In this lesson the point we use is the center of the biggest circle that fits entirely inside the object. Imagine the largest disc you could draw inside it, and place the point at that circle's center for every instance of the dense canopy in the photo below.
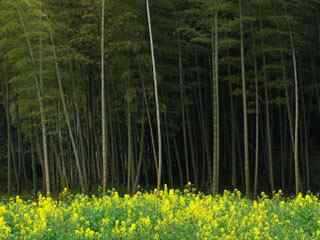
(137, 94)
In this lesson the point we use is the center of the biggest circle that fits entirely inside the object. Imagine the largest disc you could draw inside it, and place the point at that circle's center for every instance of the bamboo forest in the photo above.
(159, 119)
(132, 95)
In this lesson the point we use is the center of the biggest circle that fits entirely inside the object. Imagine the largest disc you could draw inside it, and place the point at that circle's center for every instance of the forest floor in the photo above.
(168, 214)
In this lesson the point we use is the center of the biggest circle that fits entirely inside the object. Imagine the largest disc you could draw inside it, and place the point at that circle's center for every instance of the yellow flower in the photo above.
(105, 221)
(145, 221)
(132, 228)
(18, 200)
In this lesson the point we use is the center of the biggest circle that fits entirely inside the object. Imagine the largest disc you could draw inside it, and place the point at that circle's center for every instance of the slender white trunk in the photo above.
(215, 79)
(244, 98)
(296, 127)
(267, 119)
(216, 56)
(156, 97)
(39, 89)
(67, 115)
(103, 106)
(42, 115)
(256, 80)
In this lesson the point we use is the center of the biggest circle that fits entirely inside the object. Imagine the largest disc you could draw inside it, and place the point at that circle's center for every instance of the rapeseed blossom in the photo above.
(167, 214)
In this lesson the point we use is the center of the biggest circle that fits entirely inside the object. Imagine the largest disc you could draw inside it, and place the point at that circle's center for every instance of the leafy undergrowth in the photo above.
(169, 214)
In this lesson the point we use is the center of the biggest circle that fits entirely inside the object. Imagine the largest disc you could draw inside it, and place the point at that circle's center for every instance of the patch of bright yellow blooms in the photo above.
(168, 214)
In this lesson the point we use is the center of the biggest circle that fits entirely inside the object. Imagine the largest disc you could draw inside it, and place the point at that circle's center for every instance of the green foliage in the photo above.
(183, 37)
(168, 214)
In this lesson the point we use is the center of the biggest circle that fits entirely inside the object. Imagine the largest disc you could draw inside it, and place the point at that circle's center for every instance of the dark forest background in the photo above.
(238, 87)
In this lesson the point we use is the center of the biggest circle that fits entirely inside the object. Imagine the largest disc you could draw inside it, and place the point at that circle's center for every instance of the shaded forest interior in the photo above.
(229, 88)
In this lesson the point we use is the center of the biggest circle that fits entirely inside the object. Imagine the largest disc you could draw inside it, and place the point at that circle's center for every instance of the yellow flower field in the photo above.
(168, 215)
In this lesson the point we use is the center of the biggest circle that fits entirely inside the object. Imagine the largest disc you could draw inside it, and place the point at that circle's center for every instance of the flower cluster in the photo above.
(168, 214)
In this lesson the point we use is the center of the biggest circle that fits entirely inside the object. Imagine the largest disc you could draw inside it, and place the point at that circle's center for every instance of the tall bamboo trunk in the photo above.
(39, 89)
(103, 106)
(183, 112)
(256, 80)
(67, 116)
(192, 150)
(216, 119)
(306, 144)
(150, 127)
(9, 161)
(267, 119)
(204, 135)
(233, 133)
(130, 143)
(245, 111)
(156, 97)
(141, 152)
(296, 127)
(177, 155)
(169, 159)
(43, 119)
(33, 166)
